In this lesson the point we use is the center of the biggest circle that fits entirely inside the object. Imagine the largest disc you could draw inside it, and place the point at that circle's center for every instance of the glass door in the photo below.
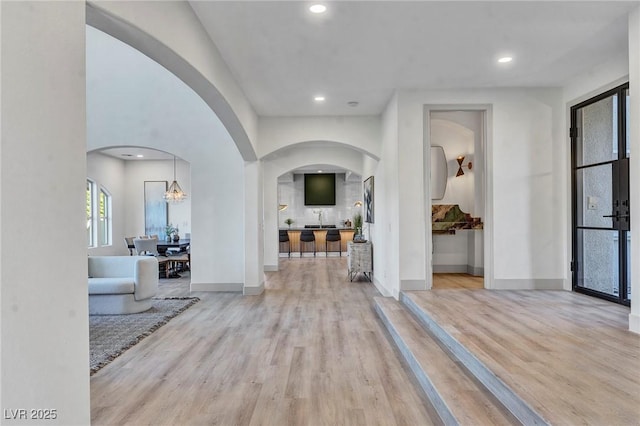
(600, 164)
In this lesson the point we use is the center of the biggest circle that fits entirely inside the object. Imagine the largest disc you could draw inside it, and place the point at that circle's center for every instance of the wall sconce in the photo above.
(469, 165)
(282, 207)
(357, 204)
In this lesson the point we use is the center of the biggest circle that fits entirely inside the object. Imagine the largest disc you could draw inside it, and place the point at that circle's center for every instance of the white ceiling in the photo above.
(131, 153)
(282, 55)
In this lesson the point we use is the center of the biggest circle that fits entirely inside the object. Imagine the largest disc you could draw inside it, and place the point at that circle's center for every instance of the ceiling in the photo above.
(282, 55)
(131, 153)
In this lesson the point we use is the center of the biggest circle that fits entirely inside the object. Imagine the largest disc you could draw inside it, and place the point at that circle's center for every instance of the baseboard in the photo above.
(634, 323)
(408, 285)
(449, 269)
(528, 284)
(253, 291)
(235, 287)
(382, 289)
(477, 271)
(270, 268)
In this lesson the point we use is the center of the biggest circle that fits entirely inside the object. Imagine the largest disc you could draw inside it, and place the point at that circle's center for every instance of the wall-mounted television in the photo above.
(320, 189)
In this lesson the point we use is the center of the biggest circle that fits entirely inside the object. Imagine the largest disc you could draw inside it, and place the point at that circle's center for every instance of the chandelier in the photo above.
(174, 194)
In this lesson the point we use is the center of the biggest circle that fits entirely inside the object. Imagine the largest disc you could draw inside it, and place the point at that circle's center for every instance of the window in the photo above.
(90, 231)
(105, 218)
(99, 213)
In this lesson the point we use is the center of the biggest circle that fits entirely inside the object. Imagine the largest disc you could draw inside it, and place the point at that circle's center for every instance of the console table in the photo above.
(359, 259)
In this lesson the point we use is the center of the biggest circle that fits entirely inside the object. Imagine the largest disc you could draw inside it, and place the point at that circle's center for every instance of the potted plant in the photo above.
(169, 230)
(289, 221)
(357, 224)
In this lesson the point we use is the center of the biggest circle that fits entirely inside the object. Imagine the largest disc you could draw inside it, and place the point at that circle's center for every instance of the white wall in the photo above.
(529, 248)
(44, 359)
(384, 232)
(133, 101)
(456, 140)
(360, 133)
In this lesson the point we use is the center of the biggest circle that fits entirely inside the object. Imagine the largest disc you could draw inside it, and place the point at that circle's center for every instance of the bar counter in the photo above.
(346, 235)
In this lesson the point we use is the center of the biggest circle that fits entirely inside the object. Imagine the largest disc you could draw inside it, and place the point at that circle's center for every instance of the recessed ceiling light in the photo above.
(505, 59)
(318, 98)
(318, 8)
(127, 155)
(319, 171)
(140, 156)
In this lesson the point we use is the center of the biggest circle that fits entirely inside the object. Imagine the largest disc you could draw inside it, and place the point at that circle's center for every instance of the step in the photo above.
(501, 393)
(456, 396)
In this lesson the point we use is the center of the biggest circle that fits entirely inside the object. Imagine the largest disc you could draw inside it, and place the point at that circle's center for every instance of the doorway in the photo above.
(600, 196)
(457, 252)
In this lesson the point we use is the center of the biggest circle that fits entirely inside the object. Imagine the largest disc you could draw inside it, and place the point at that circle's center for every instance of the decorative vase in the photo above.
(358, 237)
(168, 239)
(176, 237)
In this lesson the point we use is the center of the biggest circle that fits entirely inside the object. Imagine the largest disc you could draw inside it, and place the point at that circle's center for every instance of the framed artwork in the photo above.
(368, 200)
(156, 213)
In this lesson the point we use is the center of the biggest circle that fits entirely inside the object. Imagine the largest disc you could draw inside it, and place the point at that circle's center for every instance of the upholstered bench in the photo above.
(121, 284)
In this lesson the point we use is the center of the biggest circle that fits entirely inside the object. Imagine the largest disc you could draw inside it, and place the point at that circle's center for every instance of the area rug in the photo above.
(111, 335)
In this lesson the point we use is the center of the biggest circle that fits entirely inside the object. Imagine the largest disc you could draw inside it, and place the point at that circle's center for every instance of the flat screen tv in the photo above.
(320, 189)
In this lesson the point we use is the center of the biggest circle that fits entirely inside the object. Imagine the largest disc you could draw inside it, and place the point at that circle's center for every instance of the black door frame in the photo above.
(620, 218)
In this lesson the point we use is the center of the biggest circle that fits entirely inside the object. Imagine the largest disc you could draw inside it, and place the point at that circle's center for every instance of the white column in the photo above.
(43, 250)
(271, 218)
(411, 196)
(634, 130)
(253, 229)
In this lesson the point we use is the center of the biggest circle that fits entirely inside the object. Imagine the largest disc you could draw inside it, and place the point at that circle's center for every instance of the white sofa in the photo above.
(121, 284)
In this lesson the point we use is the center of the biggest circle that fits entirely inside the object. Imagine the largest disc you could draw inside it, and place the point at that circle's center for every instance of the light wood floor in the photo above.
(568, 355)
(309, 351)
(451, 281)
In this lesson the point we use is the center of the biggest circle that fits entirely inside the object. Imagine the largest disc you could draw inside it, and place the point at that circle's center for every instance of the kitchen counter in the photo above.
(324, 228)
(346, 235)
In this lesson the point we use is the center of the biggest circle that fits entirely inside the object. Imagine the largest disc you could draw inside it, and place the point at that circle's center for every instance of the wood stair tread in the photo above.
(466, 399)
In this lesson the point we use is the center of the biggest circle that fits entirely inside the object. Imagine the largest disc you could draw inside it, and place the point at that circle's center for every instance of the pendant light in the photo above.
(174, 194)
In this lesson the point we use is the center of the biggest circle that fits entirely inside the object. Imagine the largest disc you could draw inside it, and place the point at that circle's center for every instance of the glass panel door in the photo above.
(600, 162)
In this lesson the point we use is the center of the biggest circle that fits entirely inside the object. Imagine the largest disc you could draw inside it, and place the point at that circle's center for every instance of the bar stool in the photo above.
(284, 238)
(333, 235)
(307, 236)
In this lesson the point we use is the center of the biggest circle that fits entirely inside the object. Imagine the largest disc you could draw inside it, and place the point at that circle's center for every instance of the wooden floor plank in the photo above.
(568, 355)
(309, 351)
(467, 401)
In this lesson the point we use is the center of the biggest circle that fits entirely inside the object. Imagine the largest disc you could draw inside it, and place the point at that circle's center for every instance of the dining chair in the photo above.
(129, 242)
(149, 247)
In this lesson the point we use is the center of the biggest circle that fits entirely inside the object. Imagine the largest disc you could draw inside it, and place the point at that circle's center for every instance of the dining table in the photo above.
(182, 244)
(163, 245)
